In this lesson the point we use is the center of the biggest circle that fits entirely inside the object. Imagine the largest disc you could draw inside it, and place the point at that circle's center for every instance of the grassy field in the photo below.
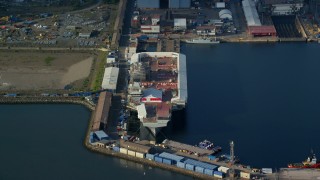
(97, 75)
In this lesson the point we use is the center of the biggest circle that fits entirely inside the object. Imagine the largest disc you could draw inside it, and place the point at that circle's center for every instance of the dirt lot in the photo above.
(35, 70)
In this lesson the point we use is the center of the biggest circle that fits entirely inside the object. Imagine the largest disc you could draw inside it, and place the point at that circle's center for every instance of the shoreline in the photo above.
(48, 100)
(143, 161)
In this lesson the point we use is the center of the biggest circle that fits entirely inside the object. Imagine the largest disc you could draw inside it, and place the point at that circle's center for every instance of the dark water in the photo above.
(265, 97)
(46, 142)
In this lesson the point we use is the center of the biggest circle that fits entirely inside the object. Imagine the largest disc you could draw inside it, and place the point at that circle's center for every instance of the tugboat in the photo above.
(310, 162)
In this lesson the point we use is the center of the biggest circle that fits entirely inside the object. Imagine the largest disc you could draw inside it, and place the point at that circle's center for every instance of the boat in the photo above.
(202, 41)
(311, 162)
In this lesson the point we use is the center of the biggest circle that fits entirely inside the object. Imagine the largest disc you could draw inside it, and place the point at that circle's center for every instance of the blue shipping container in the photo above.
(218, 173)
(211, 157)
(158, 159)
(167, 161)
(116, 149)
(208, 172)
(190, 167)
(150, 156)
(181, 165)
(199, 169)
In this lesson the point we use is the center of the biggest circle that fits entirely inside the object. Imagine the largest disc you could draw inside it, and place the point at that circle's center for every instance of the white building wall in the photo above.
(285, 9)
(131, 153)
(150, 28)
(140, 155)
(123, 150)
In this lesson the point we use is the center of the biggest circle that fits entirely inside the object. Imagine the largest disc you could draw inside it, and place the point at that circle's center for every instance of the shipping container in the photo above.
(245, 175)
(116, 149)
(148, 4)
(181, 165)
(211, 157)
(131, 153)
(123, 150)
(223, 169)
(158, 159)
(190, 167)
(150, 156)
(199, 169)
(140, 155)
(218, 174)
(208, 172)
(167, 161)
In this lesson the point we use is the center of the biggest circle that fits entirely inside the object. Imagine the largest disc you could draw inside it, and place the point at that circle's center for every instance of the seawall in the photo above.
(47, 100)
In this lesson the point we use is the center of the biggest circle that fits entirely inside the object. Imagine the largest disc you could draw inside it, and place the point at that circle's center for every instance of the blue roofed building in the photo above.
(173, 157)
(200, 164)
(100, 135)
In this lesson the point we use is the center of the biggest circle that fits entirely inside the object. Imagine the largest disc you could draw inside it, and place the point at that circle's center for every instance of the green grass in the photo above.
(48, 60)
(101, 61)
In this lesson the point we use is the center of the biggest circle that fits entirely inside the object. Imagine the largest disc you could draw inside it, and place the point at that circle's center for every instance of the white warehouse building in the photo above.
(110, 78)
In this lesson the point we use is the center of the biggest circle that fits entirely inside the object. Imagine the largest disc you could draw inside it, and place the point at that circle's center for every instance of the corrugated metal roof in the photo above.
(110, 78)
(148, 3)
(101, 134)
(262, 29)
(102, 110)
(171, 156)
(251, 13)
(200, 164)
(225, 13)
(182, 81)
(135, 147)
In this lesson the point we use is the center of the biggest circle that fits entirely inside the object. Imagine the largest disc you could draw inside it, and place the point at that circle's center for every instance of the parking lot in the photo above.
(88, 28)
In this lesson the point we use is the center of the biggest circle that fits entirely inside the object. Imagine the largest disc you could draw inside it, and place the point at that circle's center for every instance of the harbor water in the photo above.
(264, 97)
(46, 142)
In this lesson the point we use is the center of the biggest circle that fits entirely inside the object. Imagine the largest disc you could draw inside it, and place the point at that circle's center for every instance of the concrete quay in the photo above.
(47, 100)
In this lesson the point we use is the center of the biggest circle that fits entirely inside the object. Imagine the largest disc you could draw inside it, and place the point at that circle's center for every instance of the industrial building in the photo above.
(158, 84)
(85, 35)
(282, 7)
(102, 110)
(100, 135)
(136, 147)
(150, 28)
(175, 4)
(180, 24)
(110, 78)
(144, 4)
(250, 13)
(225, 14)
(206, 30)
(262, 31)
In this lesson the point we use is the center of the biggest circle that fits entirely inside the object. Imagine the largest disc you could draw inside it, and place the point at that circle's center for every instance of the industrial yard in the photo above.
(92, 27)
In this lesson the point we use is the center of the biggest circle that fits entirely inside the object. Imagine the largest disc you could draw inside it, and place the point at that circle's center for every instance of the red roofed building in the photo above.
(262, 30)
